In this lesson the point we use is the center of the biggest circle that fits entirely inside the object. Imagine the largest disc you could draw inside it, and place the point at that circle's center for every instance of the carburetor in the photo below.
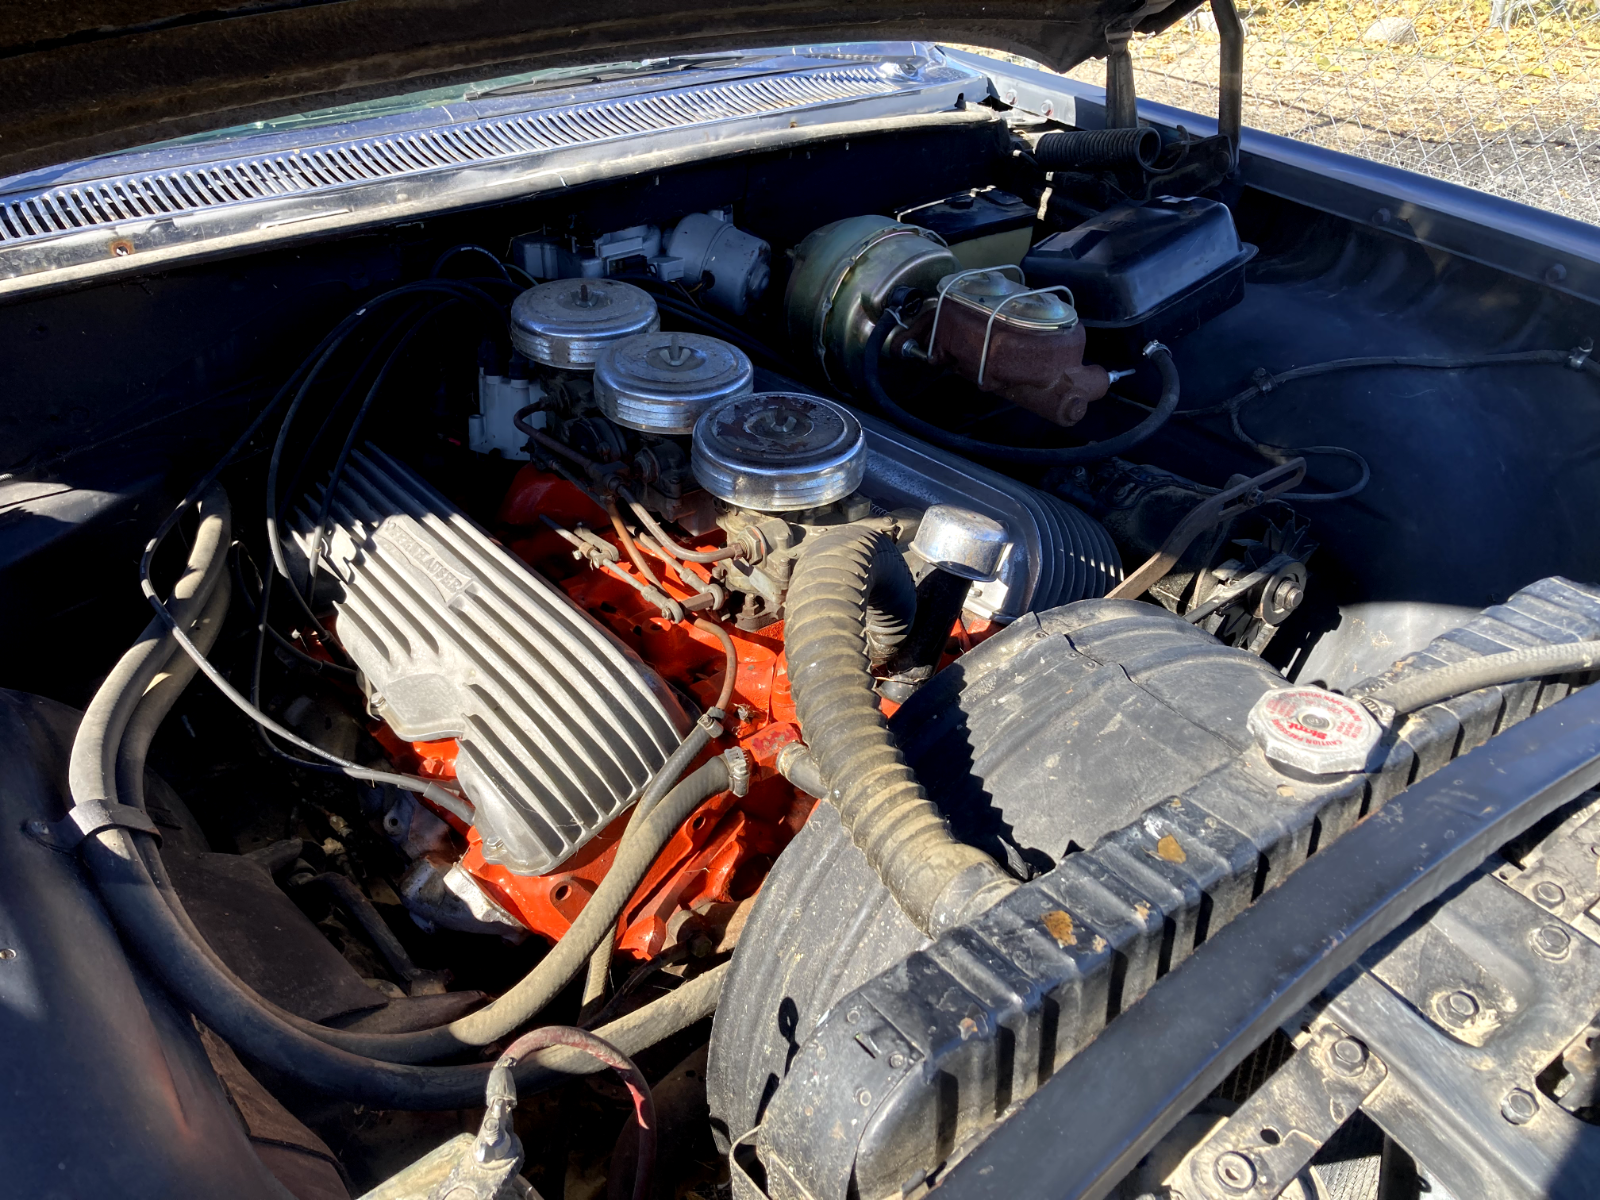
(780, 464)
(558, 330)
(1007, 339)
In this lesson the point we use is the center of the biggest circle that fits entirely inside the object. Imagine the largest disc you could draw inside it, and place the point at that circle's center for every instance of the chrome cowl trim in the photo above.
(131, 212)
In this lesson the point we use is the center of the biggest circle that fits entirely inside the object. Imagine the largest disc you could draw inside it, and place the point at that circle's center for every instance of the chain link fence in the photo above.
(1500, 95)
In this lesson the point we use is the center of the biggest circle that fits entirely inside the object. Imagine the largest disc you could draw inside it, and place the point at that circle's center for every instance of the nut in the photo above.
(1235, 1171)
(1519, 1107)
(1348, 1056)
(1552, 941)
(1549, 893)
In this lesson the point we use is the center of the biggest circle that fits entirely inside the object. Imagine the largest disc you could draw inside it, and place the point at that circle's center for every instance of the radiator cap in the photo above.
(1314, 731)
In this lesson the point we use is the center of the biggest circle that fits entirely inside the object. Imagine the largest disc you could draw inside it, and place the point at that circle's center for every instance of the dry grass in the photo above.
(1515, 112)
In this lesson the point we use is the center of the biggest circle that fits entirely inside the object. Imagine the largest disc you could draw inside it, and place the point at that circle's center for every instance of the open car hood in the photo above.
(86, 77)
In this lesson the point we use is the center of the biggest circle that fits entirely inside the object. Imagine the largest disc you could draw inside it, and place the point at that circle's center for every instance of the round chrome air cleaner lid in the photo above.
(662, 382)
(779, 451)
(565, 323)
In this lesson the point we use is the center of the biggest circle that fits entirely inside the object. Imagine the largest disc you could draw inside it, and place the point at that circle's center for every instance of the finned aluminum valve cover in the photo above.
(559, 725)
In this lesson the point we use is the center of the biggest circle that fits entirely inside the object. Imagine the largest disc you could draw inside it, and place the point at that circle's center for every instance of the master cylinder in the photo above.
(1025, 344)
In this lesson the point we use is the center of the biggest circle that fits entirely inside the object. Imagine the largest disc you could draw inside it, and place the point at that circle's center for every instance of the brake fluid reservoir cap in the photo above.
(779, 452)
(567, 322)
(662, 382)
(1314, 731)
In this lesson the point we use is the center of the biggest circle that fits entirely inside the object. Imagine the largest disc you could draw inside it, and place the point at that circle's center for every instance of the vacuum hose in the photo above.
(108, 755)
(936, 879)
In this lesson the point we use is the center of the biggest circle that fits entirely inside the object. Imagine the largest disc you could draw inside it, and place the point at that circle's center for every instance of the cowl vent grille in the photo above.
(140, 196)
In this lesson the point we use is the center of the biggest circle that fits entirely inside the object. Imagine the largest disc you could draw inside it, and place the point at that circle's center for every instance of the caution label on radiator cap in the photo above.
(1311, 730)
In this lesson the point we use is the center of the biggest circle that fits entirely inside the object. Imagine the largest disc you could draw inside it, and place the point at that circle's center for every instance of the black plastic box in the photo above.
(1141, 271)
(983, 229)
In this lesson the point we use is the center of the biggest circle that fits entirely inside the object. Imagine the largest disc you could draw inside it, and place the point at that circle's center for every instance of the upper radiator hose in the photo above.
(935, 878)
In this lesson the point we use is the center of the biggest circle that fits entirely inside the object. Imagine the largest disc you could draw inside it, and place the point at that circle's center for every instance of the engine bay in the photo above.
(786, 587)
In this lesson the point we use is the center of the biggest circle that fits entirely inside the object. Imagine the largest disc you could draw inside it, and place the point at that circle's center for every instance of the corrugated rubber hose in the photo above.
(1086, 149)
(841, 577)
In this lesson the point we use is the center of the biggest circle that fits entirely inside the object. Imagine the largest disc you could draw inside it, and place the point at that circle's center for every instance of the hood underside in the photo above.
(86, 77)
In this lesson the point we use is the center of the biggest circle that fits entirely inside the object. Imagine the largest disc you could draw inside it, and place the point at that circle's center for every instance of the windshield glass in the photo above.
(520, 84)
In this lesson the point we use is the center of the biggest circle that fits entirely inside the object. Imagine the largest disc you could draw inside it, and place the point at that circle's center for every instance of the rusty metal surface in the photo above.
(1041, 370)
(1562, 874)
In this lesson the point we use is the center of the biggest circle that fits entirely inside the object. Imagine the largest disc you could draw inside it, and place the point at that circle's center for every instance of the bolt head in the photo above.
(1348, 1056)
(1288, 594)
(1552, 941)
(1461, 1005)
(1519, 1107)
(1549, 893)
(1235, 1171)
(897, 1060)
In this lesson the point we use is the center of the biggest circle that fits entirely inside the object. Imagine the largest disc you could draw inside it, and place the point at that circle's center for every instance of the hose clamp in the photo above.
(1152, 347)
(1580, 355)
(87, 818)
(738, 764)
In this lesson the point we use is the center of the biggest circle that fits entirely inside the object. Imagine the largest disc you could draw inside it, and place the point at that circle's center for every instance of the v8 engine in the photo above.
(548, 676)
(836, 670)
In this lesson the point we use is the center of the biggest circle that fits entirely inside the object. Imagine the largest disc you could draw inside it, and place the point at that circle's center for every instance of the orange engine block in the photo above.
(721, 854)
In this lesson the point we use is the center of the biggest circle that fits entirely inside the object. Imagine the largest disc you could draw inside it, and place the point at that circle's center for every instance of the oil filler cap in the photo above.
(1315, 731)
